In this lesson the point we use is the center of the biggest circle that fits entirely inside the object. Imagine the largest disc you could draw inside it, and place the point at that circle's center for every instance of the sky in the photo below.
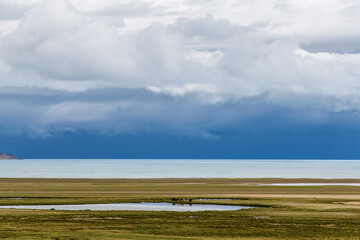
(180, 78)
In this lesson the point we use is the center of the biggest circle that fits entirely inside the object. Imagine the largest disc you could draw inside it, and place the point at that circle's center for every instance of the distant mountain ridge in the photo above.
(3, 156)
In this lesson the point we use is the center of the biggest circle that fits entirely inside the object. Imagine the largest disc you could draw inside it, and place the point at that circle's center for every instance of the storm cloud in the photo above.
(183, 66)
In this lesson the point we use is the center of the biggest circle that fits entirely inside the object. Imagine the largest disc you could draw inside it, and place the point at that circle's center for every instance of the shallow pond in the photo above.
(134, 206)
(13, 198)
(313, 184)
(214, 199)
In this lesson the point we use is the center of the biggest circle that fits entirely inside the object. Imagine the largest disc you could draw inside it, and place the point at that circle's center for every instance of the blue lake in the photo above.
(187, 168)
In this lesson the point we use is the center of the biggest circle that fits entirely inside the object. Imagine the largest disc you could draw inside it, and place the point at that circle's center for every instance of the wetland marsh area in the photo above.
(312, 211)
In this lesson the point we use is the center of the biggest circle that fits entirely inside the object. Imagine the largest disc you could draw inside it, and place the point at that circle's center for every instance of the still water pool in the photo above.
(134, 206)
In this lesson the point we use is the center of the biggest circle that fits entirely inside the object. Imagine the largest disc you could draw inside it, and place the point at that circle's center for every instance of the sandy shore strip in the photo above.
(311, 184)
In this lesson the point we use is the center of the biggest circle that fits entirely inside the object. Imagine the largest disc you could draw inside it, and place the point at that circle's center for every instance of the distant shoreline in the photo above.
(11, 159)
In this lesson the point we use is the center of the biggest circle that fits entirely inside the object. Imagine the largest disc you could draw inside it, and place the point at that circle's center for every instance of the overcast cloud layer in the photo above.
(187, 67)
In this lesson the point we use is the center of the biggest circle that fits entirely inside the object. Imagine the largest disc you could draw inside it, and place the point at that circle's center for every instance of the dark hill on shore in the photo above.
(3, 156)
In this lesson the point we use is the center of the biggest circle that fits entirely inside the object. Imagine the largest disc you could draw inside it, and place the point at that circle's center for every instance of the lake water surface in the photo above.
(186, 168)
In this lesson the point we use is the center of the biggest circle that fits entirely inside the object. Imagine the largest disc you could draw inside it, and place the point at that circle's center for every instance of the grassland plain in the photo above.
(284, 212)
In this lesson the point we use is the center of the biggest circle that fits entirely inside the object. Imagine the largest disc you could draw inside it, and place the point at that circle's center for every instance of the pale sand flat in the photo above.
(280, 195)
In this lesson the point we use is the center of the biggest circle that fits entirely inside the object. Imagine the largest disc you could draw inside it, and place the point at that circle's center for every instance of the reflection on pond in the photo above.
(135, 207)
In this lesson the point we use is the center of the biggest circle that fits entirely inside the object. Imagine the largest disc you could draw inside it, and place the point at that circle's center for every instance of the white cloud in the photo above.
(11, 10)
